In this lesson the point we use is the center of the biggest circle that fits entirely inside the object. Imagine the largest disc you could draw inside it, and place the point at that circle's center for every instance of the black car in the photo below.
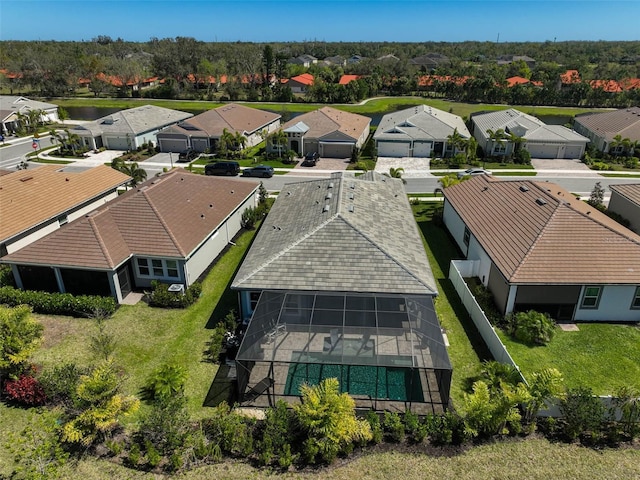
(264, 171)
(310, 159)
(188, 155)
(222, 168)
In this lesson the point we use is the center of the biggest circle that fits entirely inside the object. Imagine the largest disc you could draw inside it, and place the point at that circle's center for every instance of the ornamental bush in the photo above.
(161, 296)
(58, 303)
(531, 327)
(26, 390)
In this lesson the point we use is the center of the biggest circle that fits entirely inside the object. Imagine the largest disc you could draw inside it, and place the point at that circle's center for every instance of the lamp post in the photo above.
(171, 160)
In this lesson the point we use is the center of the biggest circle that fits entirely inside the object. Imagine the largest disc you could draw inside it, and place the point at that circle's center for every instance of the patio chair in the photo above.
(331, 342)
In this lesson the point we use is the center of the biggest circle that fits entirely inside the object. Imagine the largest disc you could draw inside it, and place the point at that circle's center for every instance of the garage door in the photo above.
(422, 149)
(393, 149)
(172, 145)
(118, 143)
(573, 151)
(541, 150)
(335, 150)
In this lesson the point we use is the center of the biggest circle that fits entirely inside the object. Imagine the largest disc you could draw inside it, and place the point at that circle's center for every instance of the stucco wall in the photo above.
(614, 306)
(626, 208)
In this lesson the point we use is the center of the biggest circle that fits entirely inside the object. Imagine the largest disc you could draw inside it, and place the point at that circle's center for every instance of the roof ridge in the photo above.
(163, 223)
(96, 231)
(388, 255)
(282, 251)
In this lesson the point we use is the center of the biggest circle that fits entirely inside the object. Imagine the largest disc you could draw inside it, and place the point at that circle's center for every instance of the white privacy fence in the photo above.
(467, 268)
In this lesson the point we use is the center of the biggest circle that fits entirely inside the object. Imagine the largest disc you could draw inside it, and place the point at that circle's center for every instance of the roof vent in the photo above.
(328, 196)
(541, 201)
(352, 186)
(351, 196)
(523, 188)
(330, 184)
(351, 208)
(326, 208)
(26, 179)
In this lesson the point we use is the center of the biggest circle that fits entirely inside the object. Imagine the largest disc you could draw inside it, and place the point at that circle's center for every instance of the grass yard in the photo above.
(600, 356)
(466, 348)
(531, 459)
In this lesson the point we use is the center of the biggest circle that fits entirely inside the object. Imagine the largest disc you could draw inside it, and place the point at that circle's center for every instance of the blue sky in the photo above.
(359, 20)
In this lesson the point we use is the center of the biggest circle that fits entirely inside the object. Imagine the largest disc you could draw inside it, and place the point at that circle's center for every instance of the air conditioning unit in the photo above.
(176, 288)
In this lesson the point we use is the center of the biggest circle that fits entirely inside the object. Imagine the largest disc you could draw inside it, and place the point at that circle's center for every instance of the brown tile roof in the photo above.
(233, 117)
(30, 197)
(166, 216)
(538, 233)
(327, 120)
(624, 122)
(630, 191)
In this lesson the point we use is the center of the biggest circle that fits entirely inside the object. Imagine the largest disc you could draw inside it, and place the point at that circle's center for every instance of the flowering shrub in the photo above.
(26, 390)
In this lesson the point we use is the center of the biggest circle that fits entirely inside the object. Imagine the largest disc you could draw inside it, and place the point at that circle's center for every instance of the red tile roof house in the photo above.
(300, 83)
(535, 246)
(38, 201)
(203, 131)
(328, 131)
(625, 201)
(170, 229)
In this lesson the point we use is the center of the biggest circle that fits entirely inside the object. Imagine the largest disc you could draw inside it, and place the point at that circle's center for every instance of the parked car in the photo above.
(264, 171)
(473, 172)
(310, 159)
(222, 168)
(188, 155)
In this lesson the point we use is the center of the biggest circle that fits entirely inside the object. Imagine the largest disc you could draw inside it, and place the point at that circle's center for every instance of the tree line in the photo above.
(251, 71)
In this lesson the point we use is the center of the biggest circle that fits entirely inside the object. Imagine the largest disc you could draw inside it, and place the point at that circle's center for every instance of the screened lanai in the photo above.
(386, 350)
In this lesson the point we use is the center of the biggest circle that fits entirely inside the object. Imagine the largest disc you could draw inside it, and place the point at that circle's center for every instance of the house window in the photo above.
(172, 268)
(467, 236)
(635, 304)
(499, 148)
(143, 267)
(591, 297)
(156, 267)
(158, 271)
(253, 299)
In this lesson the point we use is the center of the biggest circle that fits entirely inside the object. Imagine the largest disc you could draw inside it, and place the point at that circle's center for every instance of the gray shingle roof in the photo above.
(624, 122)
(134, 121)
(420, 123)
(339, 234)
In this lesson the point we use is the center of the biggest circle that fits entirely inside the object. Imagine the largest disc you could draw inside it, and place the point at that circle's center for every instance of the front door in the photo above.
(125, 280)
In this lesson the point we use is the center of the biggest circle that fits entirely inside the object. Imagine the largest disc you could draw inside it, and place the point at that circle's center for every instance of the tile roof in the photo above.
(538, 233)
(526, 126)
(421, 122)
(609, 86)
(624, 122)
(339, 234)
(167, 216)
(345, 79)
(134, 121)
(304, 79)
(570, 76)
(631, 191)
(31, 197)
(233, 117)
(328, 120)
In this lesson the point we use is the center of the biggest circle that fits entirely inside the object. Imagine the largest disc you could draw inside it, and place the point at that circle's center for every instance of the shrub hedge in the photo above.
(162, 297)
(59, 303)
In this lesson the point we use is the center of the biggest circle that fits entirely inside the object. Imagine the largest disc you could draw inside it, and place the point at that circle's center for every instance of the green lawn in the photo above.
(600, 356)
(466, 347)
(374, 106)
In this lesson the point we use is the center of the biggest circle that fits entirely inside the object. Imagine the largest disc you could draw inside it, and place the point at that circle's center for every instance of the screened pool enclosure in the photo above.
(386, 350)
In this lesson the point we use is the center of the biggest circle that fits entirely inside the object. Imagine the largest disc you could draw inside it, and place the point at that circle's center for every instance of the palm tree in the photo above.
(225, 143)
(497, 138)
(137, 174)
(34, 118)
(239, 141)
(457, 141)
(471, 149)
(619, 145)
(278, 139)
(397, 173)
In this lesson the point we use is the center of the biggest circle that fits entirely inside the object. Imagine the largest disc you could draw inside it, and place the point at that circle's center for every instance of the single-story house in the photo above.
(13, 107)
(419, 131)
(300, 83)
(337, 283)
(128, 129)
(602, 128)
(203, 131)
(38, 201)
(170, 229)
(625, 201)
(328, 131)
(508, 59)
(305, 60)
(536, 246)
(336, 60)
(346, 79)
(430, 61)
(540, 139)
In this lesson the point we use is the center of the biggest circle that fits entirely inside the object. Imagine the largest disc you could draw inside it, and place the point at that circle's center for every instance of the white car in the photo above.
(473, 172)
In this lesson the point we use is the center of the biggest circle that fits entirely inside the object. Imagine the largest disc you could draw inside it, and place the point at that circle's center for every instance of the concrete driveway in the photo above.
(562, 167)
